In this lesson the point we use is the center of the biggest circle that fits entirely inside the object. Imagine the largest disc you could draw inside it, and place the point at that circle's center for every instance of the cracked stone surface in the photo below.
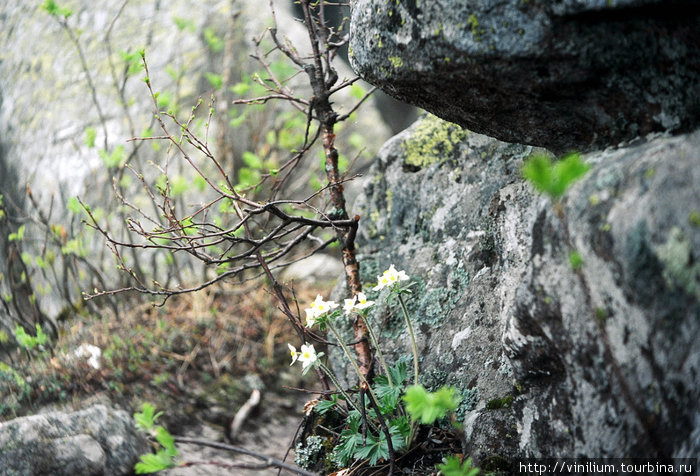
(597, 361)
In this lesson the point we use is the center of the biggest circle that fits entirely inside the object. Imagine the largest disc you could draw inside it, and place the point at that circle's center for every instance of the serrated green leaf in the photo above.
(152, 463)
(427, 407)
(166, 440)
(453, 467)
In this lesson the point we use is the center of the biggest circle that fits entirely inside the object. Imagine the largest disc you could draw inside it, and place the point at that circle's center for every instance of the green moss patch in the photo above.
(433, 140)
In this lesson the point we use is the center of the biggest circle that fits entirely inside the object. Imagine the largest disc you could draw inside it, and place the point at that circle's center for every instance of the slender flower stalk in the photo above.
(352, 360)
(375, 343)
(331, 375)
(413, 339)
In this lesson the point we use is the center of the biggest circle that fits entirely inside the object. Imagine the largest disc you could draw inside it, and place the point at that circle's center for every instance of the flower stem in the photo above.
(413, 340)
(352, 360)
(331, 375)
(375, 343)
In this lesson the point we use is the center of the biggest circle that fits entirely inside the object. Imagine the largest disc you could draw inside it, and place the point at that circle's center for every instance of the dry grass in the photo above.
(203, 342)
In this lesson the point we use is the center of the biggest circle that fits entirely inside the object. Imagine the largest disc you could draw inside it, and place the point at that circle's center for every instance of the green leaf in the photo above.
(147, 417)
(184, 24)
(357, 91)
(132, 61)
(166, 440)
(554, 178)
(53, 9)
(115, 159)
(427, 407)
(179, 185)
(453, 467)
(164, 99)
(152, 463)
(215, 42)
(252, 160)
(90, 135)
(40, 336)
(575, 260)
(240, 88)
(74, 205)
(200, 183)
(248, 177)
(323, 406)
(216, 80)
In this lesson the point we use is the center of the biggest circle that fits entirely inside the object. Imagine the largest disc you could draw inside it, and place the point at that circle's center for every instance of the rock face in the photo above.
(563, 75)
(551, 359)
(95, 441)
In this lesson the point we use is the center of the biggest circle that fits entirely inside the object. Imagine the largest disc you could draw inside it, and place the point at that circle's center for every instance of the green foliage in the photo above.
(575, 260)
(453, 467)
(240, 88)
(54, 9)
(184, 24)
(216, 80)
(115, 159)
(374, 448)
(18, 235)
(427, 407)
(132, 61)
(147, 417)
(215, 43)
(74, 205)
(90, 135)
(553, 178)
(357, 91)
(389, 393)
(165, 457)
(252, 160)
(27, 341)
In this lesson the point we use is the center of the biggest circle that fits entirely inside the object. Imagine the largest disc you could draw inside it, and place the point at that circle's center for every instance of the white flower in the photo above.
(318, 308)
(356, 303)
(91, 352)
(390, 277)
(293, 351)
(307, 356)
(362, 302)
(349, 305)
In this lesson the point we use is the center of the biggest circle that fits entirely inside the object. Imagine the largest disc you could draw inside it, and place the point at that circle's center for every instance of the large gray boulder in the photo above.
(96, 441)
(550, 359)
(578, 74)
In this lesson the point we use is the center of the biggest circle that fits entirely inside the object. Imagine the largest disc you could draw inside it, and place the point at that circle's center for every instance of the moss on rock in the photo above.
(433, 140)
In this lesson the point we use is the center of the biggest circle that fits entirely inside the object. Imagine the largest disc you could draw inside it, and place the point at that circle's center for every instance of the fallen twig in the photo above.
(268, 460)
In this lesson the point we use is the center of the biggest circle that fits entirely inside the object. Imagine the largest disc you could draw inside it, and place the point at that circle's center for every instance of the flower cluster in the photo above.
(390, 277)
(321, 313)
(318, 309)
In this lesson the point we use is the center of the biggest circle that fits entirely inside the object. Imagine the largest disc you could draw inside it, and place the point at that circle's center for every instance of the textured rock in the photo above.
(562, 75)
(550, 361)
(96, 441)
